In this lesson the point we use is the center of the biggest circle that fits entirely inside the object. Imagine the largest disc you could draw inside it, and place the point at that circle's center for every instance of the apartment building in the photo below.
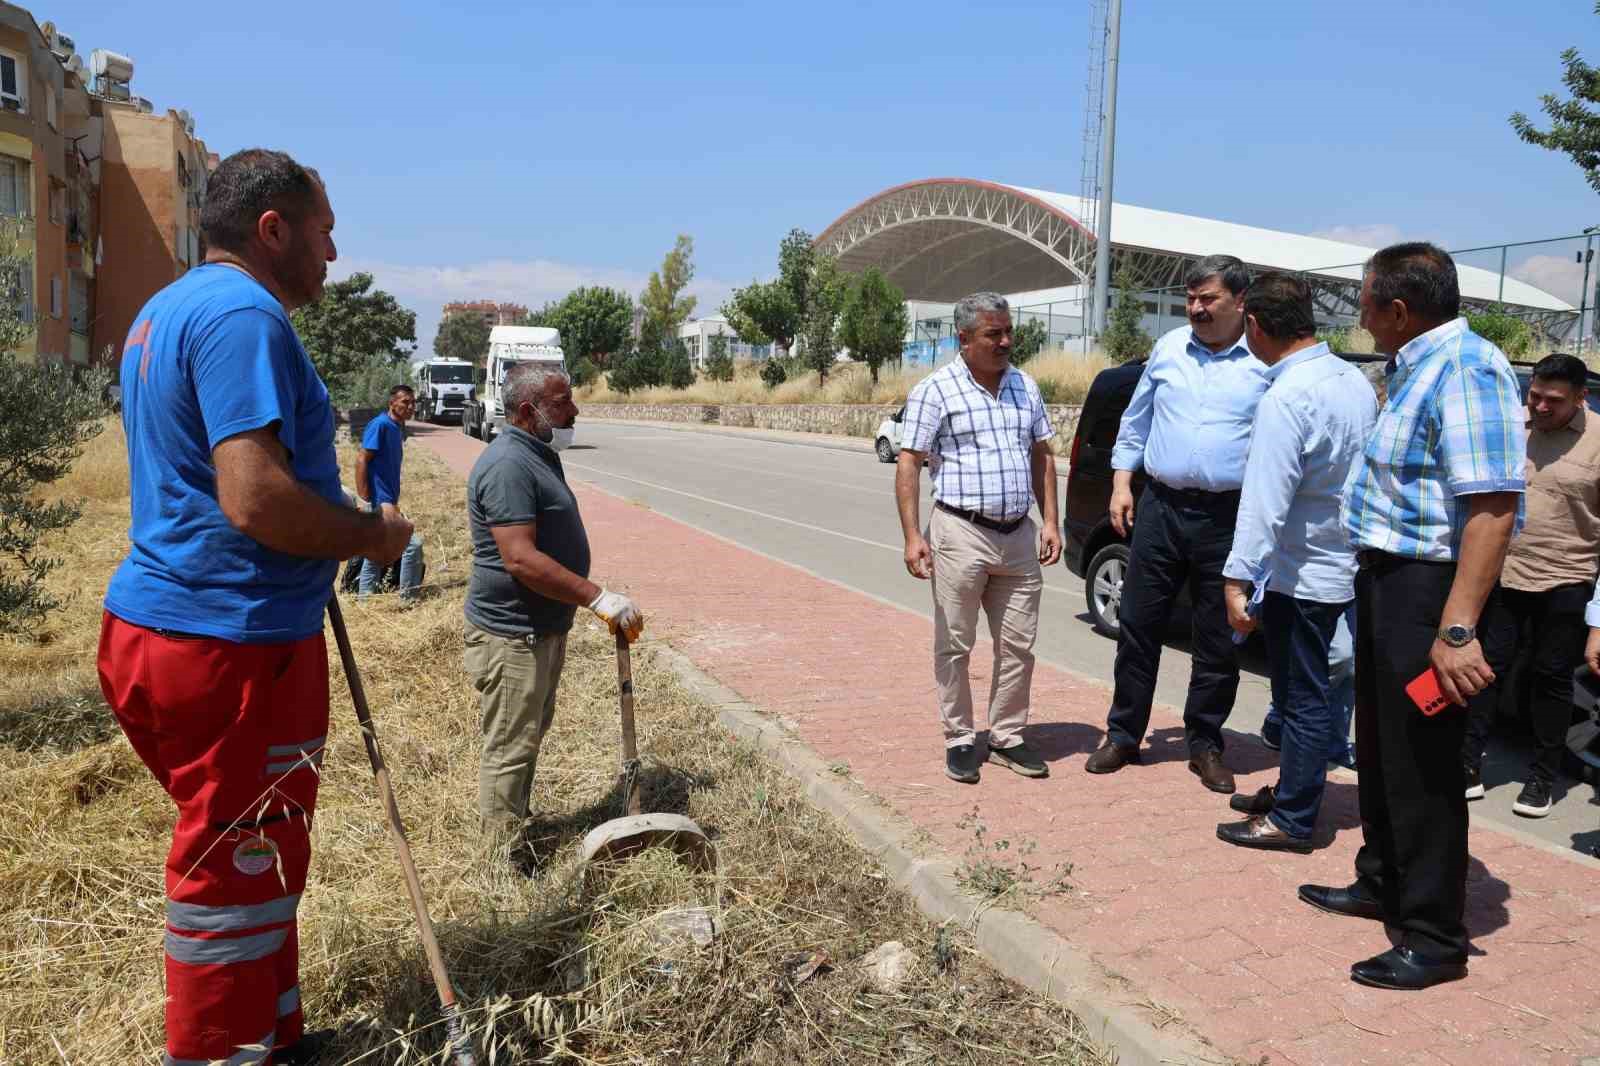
(152, 185)
(101, 195)
(47, 187)
(495, 314)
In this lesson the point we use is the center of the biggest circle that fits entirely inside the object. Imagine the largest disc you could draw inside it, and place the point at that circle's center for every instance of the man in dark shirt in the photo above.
(530, 574)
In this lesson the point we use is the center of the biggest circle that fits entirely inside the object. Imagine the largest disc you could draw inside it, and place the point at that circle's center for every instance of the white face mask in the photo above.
(560, 439)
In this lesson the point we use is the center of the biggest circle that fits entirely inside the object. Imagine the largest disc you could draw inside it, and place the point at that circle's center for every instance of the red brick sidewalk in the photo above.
(1211, 932)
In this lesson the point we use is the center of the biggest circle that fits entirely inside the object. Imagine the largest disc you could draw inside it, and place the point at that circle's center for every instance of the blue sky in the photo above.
(516, 151)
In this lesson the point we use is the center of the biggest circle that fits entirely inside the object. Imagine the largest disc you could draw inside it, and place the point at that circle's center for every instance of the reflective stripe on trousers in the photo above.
(233, 732)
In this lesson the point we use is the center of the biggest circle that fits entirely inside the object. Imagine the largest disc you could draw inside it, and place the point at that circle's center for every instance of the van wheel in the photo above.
(1102, 587)
(885, 450)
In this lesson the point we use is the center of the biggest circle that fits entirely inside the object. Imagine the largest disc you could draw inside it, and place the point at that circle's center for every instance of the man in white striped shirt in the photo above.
(980, 424)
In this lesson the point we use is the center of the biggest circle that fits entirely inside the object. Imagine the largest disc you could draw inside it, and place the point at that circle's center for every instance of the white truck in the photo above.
(483, 416)
(444, 387)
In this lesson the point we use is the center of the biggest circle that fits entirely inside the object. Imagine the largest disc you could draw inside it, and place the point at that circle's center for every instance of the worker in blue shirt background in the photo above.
(378, 483)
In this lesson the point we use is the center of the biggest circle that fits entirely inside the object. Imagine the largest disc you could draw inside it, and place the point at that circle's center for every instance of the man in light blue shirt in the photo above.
(1188, 426)
(1291, 562)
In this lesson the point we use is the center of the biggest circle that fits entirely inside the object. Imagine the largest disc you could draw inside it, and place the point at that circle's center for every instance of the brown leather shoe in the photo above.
(1259, 832)
(1215, 776)
(1110, 758)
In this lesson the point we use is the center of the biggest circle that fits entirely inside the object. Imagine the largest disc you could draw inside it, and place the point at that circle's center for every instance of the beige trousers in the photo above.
(975, 567)
(516, 681)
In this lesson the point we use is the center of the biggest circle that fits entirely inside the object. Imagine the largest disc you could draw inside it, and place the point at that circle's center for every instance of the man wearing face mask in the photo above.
(530, 574)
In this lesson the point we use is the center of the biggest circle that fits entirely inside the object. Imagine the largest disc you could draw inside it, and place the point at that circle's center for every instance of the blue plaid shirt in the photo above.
(1453, 426)
(979, 446)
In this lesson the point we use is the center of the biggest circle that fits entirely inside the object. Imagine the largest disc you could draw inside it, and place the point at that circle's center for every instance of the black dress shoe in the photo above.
(1347, 901)
(961, 764)
(1404, 970)
(1258, 831)
(1213, 775)
(1260, 803)
(1021, 758)
(1110, 757)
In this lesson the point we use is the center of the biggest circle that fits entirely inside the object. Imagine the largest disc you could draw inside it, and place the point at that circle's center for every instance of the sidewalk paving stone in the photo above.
(1211, 933)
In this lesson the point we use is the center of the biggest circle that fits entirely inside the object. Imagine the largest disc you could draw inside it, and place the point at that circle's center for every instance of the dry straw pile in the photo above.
(553, 968)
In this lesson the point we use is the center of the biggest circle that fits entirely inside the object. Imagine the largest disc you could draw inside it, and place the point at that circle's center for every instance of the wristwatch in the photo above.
(1458, 636)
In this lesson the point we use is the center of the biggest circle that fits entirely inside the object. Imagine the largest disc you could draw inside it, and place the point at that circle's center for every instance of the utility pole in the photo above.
(1583, 298)
(1102, 250)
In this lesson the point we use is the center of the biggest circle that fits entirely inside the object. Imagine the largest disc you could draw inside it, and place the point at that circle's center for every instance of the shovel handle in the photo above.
(455, 1023)
(630, 742)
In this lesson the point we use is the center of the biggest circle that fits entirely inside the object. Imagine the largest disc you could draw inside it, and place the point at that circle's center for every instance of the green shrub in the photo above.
(368, 381)
(1123, 341)
(1029, 341)
(772, 373)
(582, 371)
(719, 364)
(46, 417)
(1507, 332)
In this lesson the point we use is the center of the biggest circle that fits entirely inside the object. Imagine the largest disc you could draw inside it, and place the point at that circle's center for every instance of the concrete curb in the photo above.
(1018, 946)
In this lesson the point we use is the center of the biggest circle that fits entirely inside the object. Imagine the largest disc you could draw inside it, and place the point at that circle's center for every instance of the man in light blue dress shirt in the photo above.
(1291, 563)
(1188, 425)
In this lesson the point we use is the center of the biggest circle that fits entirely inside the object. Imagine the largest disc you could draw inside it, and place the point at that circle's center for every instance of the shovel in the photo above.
(621, 837)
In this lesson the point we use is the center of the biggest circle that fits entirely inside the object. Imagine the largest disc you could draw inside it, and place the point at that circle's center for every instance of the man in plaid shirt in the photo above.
(980, 424)
(1430, 509)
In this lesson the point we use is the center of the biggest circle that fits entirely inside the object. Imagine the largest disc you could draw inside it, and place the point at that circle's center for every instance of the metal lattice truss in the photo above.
(940, 240)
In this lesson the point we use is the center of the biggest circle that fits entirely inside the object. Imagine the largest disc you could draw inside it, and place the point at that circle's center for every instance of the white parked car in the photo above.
(888, 442)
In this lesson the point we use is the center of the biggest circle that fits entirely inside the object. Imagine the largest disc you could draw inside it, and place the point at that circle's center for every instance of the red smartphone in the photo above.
(1425, 693)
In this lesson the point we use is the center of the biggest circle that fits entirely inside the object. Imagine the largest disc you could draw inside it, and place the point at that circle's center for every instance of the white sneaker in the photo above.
(1534, 800)
(1474, 777)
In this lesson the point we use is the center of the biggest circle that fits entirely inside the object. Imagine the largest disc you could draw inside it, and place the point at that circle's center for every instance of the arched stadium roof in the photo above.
(942, 238)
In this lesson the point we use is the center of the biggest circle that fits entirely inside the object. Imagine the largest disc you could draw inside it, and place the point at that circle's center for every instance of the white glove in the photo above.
(618, 612)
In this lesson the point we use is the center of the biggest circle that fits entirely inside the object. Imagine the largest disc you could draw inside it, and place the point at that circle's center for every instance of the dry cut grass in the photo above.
(554, 967)
(1065, 376)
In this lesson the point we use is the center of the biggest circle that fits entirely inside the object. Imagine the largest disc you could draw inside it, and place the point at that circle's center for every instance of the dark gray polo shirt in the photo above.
(517, 480)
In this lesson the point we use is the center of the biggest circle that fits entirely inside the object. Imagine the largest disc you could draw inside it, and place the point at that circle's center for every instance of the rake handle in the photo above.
(630, 741)
(454, 1022)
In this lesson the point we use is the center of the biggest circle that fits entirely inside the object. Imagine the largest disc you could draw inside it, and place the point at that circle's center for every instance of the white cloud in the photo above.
(425, 288)
(1371, 235)
(1559, 275)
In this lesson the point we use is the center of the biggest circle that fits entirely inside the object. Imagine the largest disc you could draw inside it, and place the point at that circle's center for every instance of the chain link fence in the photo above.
(1551, 286)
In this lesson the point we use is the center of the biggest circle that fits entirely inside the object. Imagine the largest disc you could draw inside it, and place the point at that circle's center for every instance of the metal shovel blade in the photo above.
(621, 837)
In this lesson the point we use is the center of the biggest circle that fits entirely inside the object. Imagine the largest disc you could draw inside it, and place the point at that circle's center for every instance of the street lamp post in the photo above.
(1102, 250)
(1583, 297)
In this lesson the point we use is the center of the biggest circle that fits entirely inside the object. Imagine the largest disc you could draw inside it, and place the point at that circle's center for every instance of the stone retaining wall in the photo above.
(838, 419)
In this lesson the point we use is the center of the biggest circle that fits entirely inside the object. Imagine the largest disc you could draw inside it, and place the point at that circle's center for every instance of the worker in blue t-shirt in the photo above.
(378, 482)
(211, 649)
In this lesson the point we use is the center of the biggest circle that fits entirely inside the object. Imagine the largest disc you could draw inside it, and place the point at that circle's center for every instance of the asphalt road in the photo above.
(830, 510)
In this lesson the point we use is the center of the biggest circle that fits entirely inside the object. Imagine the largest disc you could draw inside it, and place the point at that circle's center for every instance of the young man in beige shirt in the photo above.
(1548, 577)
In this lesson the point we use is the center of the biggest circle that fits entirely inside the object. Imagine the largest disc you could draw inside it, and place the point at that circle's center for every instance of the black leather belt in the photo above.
(1196, 497)
(981, 520)
(1373, 559)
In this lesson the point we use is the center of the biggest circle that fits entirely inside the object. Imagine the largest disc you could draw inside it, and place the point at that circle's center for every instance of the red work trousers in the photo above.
(234, 733)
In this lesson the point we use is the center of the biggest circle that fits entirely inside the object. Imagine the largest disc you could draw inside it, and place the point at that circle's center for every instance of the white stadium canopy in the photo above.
(942, 238)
